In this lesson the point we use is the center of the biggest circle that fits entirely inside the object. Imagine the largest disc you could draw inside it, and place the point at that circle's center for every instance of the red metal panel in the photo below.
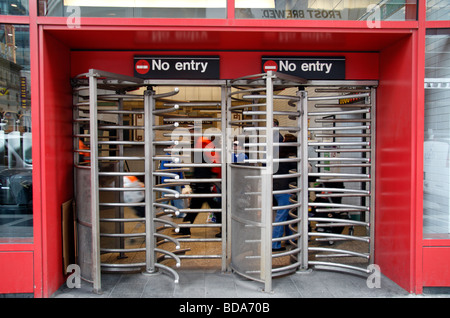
(237, 39)
(16, 272)
(395, 170)
(436, 271)
(359, 66)
(56, 154)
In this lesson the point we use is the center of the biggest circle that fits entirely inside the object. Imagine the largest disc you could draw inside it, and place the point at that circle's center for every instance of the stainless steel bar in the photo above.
(224, 181)
(363, 127)
(121, 127)
(339, 159)
(122, 250)
(344, 150)
(337, 97)
(190, 119)
(334, 236)
(117, 158)
(239, 107)
(166, 127)
(170, 270)
(343, 120)
(303, 222)
(356, 105)
(196, 104)
(342, 190)
(120, 204)
(150, 240)
(166, 110)
(122, 220)
(126, 235)
(95, 210)
(121, 266)
(338, 205)
(342, 112)
(198, 180)
(340, 266)
(322, 144)
(342, 135)
(344, 180)
(200, 256)
(353, 222)
(333, 174)
(342, 195)
(342, 165)
(120, 174)
(266, 204)
(336, 250)
(119, 189)
(329, 210)
(123, 79)
(172, 255)
(342, 90)
(372, 172)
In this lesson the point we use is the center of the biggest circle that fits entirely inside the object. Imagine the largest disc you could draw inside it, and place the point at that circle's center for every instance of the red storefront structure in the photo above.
(393, 54)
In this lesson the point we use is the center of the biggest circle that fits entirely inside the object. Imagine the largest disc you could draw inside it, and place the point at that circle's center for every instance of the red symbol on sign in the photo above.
(142, 66)
(270, 66)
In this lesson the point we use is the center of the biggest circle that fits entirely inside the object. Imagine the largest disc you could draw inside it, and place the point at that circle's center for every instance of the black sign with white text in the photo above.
(177, 67)
(310, 68)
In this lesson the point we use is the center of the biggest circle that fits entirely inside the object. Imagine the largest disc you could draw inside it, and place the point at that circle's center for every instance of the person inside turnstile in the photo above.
(178, 203)
(282, 199)
(204, 187)
(238, 155)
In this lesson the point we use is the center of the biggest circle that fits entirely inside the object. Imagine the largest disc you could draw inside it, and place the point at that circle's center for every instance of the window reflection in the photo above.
(14, 7)
(396, 10)
(436, 201)
(438, 10)
(16, 218)
(212, 9)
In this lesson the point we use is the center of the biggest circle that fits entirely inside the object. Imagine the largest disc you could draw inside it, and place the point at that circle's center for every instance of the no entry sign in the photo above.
(322, 67)
(177, 67)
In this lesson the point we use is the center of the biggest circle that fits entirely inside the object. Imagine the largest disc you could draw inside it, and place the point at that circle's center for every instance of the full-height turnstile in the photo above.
(342, 178)
(331, 143)
(251, 198)
(110, 239)
(331, 187)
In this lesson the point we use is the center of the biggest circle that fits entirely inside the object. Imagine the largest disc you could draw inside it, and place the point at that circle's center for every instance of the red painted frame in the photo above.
(412, 263)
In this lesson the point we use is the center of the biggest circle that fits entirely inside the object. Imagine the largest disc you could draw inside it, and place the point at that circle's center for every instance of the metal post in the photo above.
(149, 104)
(119, 133)
(266, 191)
(304, 181)
(95, 210)
(224, 158)
(372, 173)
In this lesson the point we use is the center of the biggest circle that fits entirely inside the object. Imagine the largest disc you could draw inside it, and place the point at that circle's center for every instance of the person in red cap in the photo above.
(204, 187)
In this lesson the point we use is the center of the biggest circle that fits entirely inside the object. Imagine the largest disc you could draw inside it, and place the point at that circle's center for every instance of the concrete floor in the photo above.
(211, 283)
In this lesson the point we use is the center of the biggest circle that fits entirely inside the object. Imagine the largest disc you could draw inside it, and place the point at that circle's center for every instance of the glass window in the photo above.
(326, 9)
(14, 7)
(436, 187)
(438, 10)
(212, 9)
(16, 210)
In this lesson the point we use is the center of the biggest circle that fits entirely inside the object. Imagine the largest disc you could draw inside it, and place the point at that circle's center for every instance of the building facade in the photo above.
(401, 44)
